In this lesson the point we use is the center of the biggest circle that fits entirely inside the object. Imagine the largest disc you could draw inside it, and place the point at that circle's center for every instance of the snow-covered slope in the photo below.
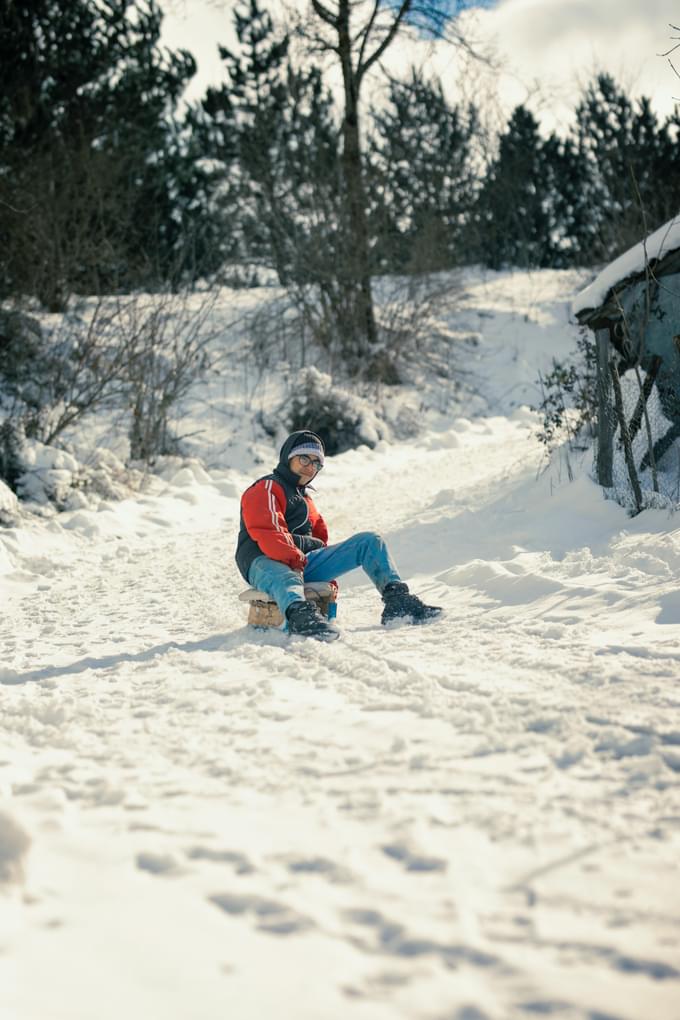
(472, 820)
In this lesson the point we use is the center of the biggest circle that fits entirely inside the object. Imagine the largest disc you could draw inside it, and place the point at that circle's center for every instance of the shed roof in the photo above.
(655, 248)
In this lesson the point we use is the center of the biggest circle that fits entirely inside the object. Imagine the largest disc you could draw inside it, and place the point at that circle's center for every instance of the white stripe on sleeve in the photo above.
(275, 518)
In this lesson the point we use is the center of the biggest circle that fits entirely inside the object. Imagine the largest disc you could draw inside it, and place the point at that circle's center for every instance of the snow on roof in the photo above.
(633, 261)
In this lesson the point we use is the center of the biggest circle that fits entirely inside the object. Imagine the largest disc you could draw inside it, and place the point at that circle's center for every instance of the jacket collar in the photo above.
(288, 476)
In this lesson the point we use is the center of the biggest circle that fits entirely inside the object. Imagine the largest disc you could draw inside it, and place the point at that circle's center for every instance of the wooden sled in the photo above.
(263, 612)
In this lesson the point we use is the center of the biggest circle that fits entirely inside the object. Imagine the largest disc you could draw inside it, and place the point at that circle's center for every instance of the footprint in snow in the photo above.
(321, 866)
(157, 864)
(413, 861)
(270, 917)
(239, 861)
(391, 937)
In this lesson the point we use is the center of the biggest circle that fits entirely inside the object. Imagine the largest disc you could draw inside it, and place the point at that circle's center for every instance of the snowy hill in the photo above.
(472, 820)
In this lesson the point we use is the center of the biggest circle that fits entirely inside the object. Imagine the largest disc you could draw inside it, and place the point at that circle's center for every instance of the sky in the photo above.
(546, 50)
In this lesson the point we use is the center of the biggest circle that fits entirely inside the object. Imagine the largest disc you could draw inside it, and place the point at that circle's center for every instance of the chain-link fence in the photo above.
(638, 365)
(638, 450)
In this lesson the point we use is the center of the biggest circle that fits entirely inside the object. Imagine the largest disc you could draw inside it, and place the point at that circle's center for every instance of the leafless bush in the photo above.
(299, 327)
(275, 331)
(87, 359)
(411, 326)
(170, 353)
(136, 354)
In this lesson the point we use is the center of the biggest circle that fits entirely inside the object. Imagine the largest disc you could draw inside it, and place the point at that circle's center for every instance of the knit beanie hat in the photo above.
(308, 446)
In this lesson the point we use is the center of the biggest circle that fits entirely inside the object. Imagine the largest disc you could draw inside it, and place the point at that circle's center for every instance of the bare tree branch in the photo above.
(672, 50)
(366, 33)
(368, 62)
(667, 53)
(325, 14)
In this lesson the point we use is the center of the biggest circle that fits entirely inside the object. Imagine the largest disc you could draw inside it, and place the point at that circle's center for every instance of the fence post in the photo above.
(605, 424)
(625, 437)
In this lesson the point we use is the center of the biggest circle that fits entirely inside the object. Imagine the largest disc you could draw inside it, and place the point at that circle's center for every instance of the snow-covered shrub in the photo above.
(405, 422)
(48, 476)
(343, 420)
(11, 441)
(106, 477)
(52, 478)
(569, 404)
(9, 506)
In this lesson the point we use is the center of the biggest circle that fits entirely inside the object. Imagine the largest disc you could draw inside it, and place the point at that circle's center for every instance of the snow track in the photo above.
(471, 820)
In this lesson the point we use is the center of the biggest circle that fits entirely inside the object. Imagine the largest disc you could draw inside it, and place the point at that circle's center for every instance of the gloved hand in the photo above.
(314, 543)
(306, 543)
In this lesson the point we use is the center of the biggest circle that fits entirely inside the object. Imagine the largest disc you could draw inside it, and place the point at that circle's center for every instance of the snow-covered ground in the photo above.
(472, 820)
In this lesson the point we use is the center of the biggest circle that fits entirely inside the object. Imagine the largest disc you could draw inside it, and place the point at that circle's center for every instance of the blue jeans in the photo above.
(285, 586)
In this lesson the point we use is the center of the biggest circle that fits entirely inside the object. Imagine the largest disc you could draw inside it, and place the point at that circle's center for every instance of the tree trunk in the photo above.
(361, 330)
(625, 437)
(605, 427)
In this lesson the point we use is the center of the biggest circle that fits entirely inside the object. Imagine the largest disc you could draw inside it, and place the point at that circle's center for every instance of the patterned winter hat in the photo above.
(308, 446)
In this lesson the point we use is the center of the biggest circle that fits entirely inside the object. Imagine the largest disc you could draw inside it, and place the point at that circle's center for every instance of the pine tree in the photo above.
(242, 126)
(423, 177)
(512, 215)
(270, 130)
(632, 163)
(567, 178)
(88, 161)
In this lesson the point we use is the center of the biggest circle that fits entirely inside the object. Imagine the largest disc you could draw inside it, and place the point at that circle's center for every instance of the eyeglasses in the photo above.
(306, 461)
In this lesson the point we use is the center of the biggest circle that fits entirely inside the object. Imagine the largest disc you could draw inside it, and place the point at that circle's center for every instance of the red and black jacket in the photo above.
(278, 518)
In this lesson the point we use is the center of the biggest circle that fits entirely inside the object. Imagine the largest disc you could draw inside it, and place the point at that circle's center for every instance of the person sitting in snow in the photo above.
(283, 542)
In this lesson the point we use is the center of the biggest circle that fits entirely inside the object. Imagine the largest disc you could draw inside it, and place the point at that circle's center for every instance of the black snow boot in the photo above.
(399, 603)
(305, 619)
